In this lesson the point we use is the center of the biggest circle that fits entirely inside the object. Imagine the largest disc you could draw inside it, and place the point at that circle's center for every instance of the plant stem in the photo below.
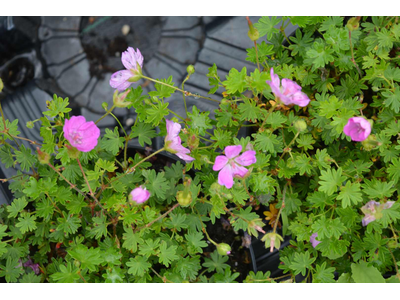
(126, 138)
(160, 217)
(28, 140)
(178, 89)
(183, 94)
(258, 64)
(280, 210)
(176, 115)
(269, 113)
(8, 179)
(204, 230)
(106, 114)
(164, 279)
(66, 180)
(291, 142)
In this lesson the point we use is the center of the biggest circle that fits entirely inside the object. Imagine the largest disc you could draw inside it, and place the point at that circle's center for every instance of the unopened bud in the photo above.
(43, 157)
(370, 143)
(224, 249)
(104, 105)
(29, 124)
(375, 88)
(353, 23)
(300, 125)
(190, 69)
(193, 141)
(184, 199)
(119, 99)
(253, 32)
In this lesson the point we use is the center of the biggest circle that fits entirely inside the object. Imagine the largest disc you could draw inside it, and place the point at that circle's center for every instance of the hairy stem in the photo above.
(159, 218)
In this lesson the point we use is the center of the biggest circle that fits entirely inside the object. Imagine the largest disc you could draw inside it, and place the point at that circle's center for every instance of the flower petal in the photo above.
(239, 171)
(225, 177)
(220, 162)
(232, 151)
(247, 158)
(130, 58)
(173, 130)
(119, 80)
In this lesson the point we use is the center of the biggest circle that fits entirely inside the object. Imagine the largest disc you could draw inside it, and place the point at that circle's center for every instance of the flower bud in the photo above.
(184, 199)
(104, 105)
(224, 249)
(1, 85)
(300, 125)
(190, 69)
(375, 88)
(137, 74)
(370, 143)
(193, 141)
(353, 23)
(43, 157)
(29, 124)
(119, 99)
(73, 153)
(253, 32)
(139, 195)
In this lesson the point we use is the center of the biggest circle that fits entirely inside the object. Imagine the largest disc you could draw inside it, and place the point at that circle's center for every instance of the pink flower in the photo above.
(373, 210)
(34, 267)
(231, 164)
(139, 195)
(173, 142)
(357, 128)
(81, 134)
(289, 92)
(313, 239)
(133, 62)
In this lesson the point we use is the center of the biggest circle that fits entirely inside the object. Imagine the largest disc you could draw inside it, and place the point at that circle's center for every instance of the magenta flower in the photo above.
(289, 92)
(357, 128)
(173, 142)
(133, 62)
(34, 267)
(81, 134)
(313, 239)
(139, 195)
(373, 210)
(231, 164)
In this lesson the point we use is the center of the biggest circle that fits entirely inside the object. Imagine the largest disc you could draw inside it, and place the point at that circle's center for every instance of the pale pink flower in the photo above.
(173, 142)
(133, 62)
(231, 164)
(357, 128)
(372, 209)
(313, 239)
(81, 134)
(289, 92)
(139, 195)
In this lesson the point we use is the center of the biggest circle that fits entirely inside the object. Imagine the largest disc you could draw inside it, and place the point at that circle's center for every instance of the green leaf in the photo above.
(188, 267)
(89, 258)
(131, 240)
(319, 55)
(163, 91)
(362, 273)
(200, 120)
(12, 270)
(333, 248)
(69, 225)
(222, 138)
(67, 274)
(266, 141)
(305, 141)
(249, 111)
(236, 81)
(16, 207)
(100, 228)
(111, 141)
(303, 163)
(266, 26)
(323, 274)
(301, 262)
(26, 222)
(378, 189)
(156, 113)
(12, 128)
(350, 194)
(258, 80)
(144, 131)
(58, 106)
(216, 263)
(25, 158)
(138, 266)
(167, 254)
(115, 275)
(30, 278)
(176, 221)
(157, 185)
(392, 99)
(330, 180)
(227, 277)
(328, 228)
(195, 242)
(6, 156)
(394, 170)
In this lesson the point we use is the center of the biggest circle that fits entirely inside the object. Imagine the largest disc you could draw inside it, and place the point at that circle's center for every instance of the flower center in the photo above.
(76, 137)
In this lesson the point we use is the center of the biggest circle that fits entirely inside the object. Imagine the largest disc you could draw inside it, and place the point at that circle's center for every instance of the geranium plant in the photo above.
(322, 154)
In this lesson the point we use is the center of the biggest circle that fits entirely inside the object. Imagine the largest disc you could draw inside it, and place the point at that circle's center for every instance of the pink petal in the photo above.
(220, 162)
(225, 177)
(185, 157)
(119, 80)
(367, 219)
(388, 204)
(274, 78)
(239, 171)
(357, 128)
(289, 87)
(313, 240)
(232, 151)
(300, 99)
(139, 195)
(173, 129)
(247, 158)
(130, 58)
